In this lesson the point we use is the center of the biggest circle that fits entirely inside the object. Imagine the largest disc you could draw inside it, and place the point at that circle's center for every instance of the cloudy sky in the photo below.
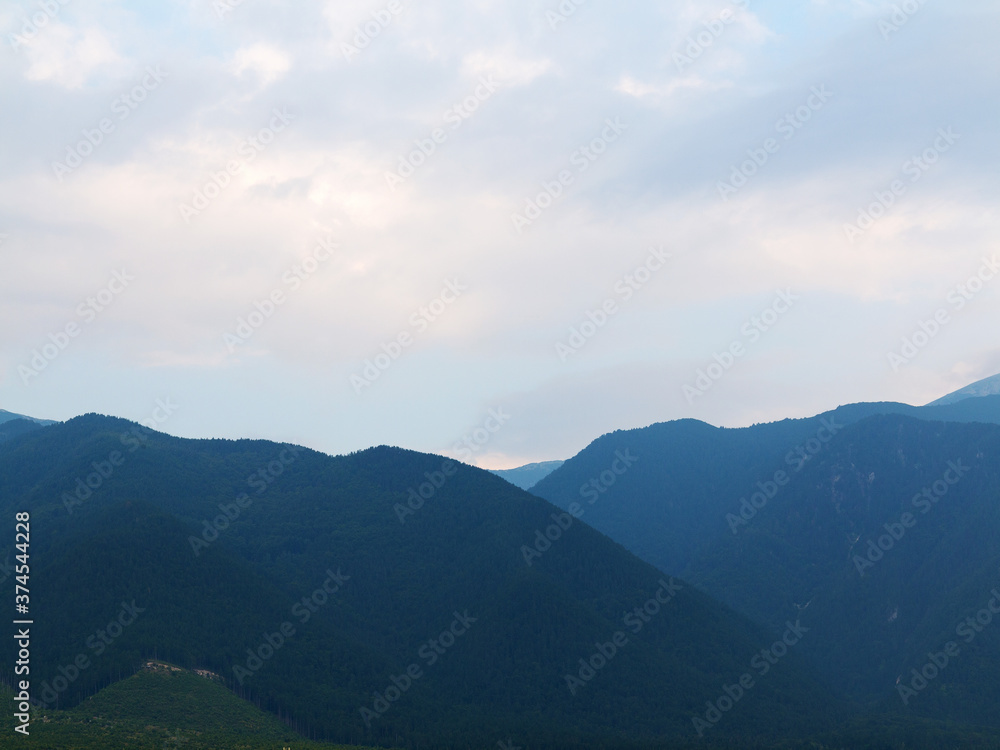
(360, 222)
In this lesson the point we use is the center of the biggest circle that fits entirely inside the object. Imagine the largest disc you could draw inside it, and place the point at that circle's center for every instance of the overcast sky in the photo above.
(424, 200)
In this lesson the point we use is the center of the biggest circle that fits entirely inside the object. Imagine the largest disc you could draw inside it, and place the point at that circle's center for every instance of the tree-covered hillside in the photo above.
(882, 530)
(322, 588)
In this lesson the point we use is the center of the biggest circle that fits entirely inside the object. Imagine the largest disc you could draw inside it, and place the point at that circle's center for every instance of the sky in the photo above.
(493, 230)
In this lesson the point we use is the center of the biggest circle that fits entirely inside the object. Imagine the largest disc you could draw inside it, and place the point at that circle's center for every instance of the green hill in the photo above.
(161, 706)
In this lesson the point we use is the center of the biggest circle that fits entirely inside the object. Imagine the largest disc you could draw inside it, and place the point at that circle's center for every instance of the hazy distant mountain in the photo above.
(7, 416)
(777, 520)
(529, 475)
(985, 387)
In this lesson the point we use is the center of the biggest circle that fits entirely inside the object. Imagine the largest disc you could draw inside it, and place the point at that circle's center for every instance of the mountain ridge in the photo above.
(766, 519)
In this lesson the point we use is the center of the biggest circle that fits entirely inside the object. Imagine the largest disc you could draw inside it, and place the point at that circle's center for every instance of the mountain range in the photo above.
(682, 585)
(876, 523)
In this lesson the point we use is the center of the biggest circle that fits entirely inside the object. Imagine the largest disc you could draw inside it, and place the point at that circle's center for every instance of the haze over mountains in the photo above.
(529, 475)
(782, 583)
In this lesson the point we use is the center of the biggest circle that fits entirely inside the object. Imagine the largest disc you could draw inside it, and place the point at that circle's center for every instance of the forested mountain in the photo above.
(394, 598)
(880, 529)
(670, 506)
(16, 426)
(329, 593)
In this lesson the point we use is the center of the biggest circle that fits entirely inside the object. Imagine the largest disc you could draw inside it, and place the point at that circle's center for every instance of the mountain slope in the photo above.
(773, 524)
(14, 427)
(435, 603)
(670, 507)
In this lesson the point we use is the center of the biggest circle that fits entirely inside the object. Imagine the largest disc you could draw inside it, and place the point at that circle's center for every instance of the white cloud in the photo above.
(266, 62)
(508, 69)
(69, 57)
(655, 185)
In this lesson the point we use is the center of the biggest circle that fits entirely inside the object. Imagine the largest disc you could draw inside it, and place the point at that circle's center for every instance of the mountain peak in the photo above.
(985, 387)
